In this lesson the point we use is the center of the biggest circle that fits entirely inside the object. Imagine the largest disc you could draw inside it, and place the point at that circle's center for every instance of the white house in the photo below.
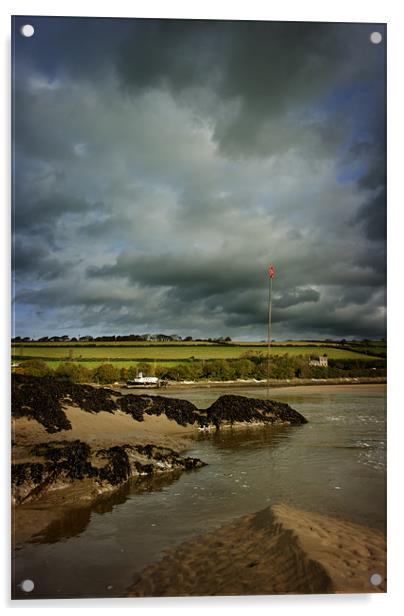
(318, 360)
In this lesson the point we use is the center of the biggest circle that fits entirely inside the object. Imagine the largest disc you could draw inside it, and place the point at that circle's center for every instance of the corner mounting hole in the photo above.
(376, 38)
(27, 30)
(27, 585)
(376, 579)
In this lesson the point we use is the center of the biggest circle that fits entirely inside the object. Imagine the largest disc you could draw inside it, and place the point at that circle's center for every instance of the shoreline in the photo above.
(105, 429)
(75, 443)
(326, 386)
(253, 383)
(277, 384)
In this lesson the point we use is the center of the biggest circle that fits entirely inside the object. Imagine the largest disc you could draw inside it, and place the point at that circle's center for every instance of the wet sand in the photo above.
(280, 550)
(104, 429)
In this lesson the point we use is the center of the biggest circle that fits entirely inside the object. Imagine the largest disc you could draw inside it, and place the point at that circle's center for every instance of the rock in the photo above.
(42, 398)
(233, 408)
(67, 461)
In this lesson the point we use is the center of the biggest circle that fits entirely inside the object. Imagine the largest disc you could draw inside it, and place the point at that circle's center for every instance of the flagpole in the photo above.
(269, 328)
(271, 274)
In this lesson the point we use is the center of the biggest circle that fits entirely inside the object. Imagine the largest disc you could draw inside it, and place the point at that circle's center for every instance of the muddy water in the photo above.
(335, 464)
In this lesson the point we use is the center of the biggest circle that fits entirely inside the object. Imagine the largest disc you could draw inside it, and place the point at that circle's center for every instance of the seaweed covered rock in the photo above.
(60, 463)
(232, 408)
(165, 457)
(33, 397)
(181, 411)
(134, 405)
(118, 468)
(70, 458)
(43, 398)
(283, 412)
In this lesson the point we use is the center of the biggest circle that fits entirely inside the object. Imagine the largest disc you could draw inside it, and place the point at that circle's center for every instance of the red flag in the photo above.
(271, 270)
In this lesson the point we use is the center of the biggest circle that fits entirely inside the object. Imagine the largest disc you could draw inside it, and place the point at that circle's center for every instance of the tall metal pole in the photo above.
(271, 274)
(269, 328)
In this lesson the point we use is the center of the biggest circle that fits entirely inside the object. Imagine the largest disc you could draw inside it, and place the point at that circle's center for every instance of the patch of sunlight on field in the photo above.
(166, 353)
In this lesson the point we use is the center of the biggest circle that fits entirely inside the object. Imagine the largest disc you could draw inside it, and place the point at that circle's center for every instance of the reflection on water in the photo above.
(335, 464)
(247, 438)
(75, 520)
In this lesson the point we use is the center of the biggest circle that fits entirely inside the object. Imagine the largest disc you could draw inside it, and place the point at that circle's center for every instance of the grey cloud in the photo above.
(372, 215)
(296, 296)
(151, 196)
(259, 67)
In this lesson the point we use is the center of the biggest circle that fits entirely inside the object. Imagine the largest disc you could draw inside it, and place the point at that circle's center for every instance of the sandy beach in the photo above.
(280, 550)
(104, 429)
(87, 442)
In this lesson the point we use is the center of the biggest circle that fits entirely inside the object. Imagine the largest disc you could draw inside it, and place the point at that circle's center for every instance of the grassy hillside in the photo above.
(177, 352)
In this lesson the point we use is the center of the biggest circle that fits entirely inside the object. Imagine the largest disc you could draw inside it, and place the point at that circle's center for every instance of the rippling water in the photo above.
(335, 464)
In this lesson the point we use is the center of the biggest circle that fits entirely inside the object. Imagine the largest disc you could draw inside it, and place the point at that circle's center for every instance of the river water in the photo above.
(335, 464)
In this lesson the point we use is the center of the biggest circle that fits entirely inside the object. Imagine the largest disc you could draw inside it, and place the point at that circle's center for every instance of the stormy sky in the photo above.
(160, 165)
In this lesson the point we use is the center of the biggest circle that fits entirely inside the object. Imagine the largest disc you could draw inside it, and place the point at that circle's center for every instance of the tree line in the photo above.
(252, 365)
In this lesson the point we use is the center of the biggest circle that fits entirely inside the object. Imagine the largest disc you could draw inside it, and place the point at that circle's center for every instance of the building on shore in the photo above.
(319, 360)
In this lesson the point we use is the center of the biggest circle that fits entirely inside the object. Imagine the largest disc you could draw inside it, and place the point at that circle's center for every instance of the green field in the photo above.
(121, 353)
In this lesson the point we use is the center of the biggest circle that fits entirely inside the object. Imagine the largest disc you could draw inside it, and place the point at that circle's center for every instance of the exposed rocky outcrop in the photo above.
(41, 467)
(232, 409)
(43, 399)
(57, 464)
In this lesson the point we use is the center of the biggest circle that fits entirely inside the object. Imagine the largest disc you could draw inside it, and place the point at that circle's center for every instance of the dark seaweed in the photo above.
(232, 408)
(72, 460)
(42, 398)
(134, 405)
(31, 397)
(181, 411)
(117, 470)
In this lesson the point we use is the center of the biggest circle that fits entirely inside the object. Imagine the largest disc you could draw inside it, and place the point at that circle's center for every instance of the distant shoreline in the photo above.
(273, 384)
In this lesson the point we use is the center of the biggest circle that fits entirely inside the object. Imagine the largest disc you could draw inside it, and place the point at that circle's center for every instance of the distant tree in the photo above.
(243, 368)
(106, 373)
(35, 367)
(123, 373)
(146, 368)
(75, 373)
(132, 371)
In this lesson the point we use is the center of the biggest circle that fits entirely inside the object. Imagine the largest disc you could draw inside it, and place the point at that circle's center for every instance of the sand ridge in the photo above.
(280, 550)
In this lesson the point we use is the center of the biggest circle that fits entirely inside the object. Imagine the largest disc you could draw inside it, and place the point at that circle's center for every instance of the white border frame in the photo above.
(310, 10)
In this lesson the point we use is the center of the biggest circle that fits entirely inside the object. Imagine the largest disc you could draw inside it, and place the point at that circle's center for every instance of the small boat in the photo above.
(143, 381)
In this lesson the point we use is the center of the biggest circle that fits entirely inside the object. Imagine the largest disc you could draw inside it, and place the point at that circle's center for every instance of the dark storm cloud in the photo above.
(35, 215)
(372, 215)
(31, 259)
(264, 68)
(216, 285)
(159, 168)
